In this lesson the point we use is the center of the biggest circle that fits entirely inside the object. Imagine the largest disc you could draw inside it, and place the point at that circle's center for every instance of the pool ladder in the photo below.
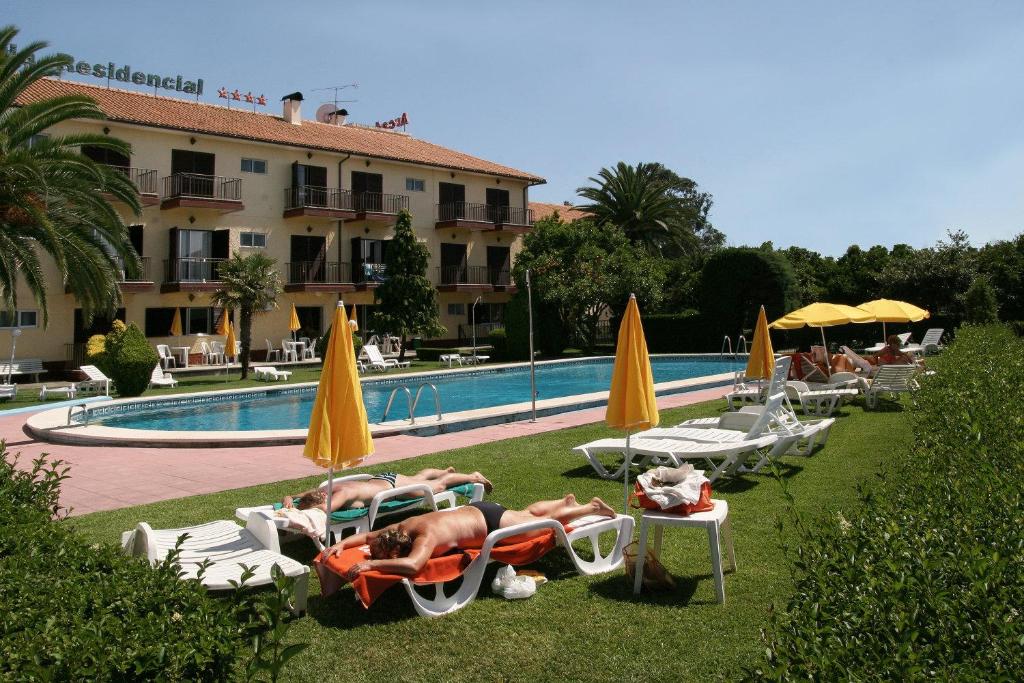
(412, 402)
(741, 343)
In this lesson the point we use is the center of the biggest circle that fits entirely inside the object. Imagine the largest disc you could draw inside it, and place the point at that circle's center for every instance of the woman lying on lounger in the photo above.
(405, 547)
(357, 494)
(891, 354)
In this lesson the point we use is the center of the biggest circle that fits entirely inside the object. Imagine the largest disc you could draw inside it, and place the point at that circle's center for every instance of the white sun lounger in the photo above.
(891, 379)
(159, 378)
(468, 584)
(743, 391)
(721, 458)
(227, 546)
(930, 342)
(379, 362)
(96, 381)
(269, 372)
(819, 402)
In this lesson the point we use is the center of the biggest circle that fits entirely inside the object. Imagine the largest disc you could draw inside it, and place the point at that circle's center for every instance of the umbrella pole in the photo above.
(330, 489)
(828, 357)
(625, 478)
(883, 332)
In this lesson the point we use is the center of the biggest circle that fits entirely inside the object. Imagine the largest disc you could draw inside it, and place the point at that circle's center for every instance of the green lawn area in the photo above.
(574, 628)
(216, 382)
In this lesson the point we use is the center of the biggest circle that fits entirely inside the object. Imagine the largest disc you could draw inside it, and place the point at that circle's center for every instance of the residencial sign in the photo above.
(402, 120)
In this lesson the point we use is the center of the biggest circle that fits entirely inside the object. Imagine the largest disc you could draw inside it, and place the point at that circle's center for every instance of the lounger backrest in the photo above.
(894, 378)
(373, 353)
(904, 338)
(779, 375)
(157, 373)
(857, 359)
(818, 354)
(760, 426)
(932, 336)
(93, 373)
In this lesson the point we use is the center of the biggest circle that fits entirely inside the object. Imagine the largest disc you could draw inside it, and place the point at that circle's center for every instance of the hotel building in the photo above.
(319, 198)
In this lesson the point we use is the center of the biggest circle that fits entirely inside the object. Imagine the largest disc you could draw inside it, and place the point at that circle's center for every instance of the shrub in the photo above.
(676, 333)
(735, 282)
(325, 339)
(924, 578)
(980, 302)
(499, 344)
(433, 353)
(129, 359)
(78, 612)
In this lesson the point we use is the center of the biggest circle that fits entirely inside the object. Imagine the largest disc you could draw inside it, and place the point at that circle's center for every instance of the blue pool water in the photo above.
(486, 388)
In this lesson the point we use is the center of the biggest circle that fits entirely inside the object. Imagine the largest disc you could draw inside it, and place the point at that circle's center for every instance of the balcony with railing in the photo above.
(191, 274)
(462, 278)
(318, 202)
(501, 279)
(318, 276)
(200, 191)
(378, 207)
(141, 281)
(144, 179)
(470, 216)
(368, 275)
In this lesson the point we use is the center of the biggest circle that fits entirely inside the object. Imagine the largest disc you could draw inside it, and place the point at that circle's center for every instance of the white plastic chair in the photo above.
(218, 353)
(288, 351)
(167, 358)
(272, 353)
(378, 362)
(309, 353)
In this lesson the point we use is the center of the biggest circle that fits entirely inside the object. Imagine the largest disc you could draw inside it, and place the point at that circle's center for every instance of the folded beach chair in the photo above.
(464, 568)
(384, 504)
(721, 458)
(227, 546)
(892, 379)
(809, 372)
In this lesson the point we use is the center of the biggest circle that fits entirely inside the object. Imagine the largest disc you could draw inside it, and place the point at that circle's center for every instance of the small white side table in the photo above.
(716, 522)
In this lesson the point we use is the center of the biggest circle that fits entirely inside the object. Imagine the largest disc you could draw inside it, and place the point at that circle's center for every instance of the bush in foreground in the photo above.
(925, 578)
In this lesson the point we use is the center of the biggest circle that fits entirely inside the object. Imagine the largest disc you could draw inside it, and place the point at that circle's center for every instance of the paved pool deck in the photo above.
(107, 478)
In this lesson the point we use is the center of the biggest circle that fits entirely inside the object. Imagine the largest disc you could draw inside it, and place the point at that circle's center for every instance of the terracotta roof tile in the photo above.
(566, 213)
(166, 112)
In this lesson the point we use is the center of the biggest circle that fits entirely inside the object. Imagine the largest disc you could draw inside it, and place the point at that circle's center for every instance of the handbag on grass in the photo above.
(656, 577)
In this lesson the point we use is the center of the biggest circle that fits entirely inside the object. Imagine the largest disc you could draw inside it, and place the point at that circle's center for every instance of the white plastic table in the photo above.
(182, 353)
(714, 521)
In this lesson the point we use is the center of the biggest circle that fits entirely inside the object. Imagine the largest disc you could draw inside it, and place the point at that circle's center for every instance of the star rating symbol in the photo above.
(235, 95)
(223, 92)
(261, 100)
(248, 97)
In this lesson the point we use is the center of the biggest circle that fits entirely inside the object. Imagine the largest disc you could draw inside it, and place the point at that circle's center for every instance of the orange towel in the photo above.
(370, 585)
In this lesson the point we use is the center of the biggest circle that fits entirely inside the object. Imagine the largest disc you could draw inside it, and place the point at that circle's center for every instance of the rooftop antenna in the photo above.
(337, 90)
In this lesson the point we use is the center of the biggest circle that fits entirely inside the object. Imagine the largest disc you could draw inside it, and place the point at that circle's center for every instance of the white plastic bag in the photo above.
(512, 587)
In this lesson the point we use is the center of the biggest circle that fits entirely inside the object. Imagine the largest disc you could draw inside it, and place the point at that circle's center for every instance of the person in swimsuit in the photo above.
(405, 547)
(891, 354)
(357, 494)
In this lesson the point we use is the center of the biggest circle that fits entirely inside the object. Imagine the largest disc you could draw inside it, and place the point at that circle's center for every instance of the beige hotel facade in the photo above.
(319, 198)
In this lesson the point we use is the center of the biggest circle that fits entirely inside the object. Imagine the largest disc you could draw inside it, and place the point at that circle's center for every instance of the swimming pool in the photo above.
(289, 408)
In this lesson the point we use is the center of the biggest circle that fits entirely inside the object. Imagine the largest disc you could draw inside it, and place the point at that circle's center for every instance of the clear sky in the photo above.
(812, 123)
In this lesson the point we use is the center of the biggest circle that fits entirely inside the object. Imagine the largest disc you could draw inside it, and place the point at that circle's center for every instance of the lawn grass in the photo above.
(574, 628)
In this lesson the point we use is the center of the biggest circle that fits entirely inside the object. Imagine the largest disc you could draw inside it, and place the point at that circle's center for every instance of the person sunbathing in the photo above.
(891, 354)
(405, 547)
(357, 494)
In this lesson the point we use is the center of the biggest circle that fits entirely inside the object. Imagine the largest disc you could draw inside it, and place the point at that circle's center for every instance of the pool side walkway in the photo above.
(106, 478)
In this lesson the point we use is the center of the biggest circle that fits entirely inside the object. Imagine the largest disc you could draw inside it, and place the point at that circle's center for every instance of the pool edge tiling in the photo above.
(52, 425)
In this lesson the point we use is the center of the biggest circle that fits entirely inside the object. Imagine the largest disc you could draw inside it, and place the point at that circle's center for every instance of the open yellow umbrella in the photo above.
(822, 315)
(761, 363)
(631, 401)
(339, 433)
(891, 311)
(293, 322)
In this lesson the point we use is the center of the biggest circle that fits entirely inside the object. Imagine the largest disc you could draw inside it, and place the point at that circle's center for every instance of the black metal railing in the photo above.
(370, 272)
(202, 186)
(513, 215)
(462, 275)
(380, 202)
(193, 269)
(500, 277)
(142, 276)
(318, 272)
(483, 331)
(484, 213)
(310, 196)
(143, 178)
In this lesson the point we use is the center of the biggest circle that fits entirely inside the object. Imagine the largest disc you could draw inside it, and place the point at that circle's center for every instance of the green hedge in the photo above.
(925, 579)
(433, 353)
(72, 611)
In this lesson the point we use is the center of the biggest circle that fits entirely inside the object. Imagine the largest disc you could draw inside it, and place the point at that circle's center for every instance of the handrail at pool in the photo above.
(437, 399)
(391, 399)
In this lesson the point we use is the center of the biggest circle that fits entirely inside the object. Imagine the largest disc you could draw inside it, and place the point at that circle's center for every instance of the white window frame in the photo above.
(20, 319)
(410, 185)
(253, 234)
(252, 166)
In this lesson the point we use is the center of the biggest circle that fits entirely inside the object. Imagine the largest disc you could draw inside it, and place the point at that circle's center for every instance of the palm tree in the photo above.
(654, 207)
(54, 200)
(249, 284)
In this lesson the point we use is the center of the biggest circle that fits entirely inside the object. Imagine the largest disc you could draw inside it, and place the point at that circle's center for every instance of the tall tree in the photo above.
(653, 206)
(407, 299)
(54, 200)
(249, 284)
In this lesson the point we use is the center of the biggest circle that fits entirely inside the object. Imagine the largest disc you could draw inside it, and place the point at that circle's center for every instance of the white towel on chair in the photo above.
(312, 522)
(679, 485)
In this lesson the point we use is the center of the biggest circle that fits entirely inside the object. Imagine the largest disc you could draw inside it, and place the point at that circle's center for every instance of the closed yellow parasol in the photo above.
(761, 363)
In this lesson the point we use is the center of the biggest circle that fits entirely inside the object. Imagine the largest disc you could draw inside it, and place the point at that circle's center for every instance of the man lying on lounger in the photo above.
(405, 547)
(357, 494)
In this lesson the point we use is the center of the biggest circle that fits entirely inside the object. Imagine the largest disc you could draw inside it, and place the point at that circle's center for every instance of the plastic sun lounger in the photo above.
(470, 565)
(721, 458)
(227, 546)
(892, 379)
(269, 372)
(378, 362)
(384, 504)
(159, 378)
(819, 402)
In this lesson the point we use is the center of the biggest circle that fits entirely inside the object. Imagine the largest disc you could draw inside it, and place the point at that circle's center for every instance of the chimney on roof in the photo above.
(292, 108)
(566, 203)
